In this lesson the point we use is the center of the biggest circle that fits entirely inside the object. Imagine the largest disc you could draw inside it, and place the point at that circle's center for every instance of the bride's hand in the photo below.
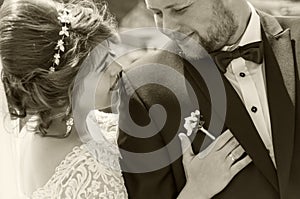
(210, 171)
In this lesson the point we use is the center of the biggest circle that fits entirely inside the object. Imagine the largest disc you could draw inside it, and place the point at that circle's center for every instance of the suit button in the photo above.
(254, 109)
(242, 74)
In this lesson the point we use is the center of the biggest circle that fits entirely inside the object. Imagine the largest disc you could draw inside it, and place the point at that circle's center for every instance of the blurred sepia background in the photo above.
(130, 14)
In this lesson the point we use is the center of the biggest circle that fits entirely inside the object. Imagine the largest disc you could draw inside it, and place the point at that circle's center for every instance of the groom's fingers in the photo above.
(222, 140)
(240, 165)
(187, 151)
(230, 146)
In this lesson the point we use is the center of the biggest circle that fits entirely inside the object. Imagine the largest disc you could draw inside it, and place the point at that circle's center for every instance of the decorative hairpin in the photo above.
(64, 17)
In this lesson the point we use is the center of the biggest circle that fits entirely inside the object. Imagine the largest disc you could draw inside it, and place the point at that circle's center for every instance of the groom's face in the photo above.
(208, 22)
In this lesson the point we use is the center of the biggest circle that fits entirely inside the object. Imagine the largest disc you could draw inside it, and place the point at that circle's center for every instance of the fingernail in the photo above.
(181, 136)
(184, 141)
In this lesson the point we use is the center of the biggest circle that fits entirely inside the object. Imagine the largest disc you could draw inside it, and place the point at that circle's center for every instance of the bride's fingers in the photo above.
(240, 165)
(186, 147)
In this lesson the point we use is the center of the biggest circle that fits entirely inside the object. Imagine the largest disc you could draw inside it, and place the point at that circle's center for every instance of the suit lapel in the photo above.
(280, 41)
(208, 85)
(282, 114)
(200, 88)
(281, 90)
(282, 48)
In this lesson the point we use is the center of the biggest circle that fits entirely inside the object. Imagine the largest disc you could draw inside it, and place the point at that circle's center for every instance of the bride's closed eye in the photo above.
(115, 84)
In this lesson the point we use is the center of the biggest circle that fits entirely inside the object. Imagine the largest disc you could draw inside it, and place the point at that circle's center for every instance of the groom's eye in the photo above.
(180, 10)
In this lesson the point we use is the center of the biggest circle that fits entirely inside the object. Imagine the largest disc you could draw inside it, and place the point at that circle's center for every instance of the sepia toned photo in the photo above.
(149, 99)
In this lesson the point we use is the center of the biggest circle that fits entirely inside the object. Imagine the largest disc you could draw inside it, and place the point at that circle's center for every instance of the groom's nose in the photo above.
(170, 26)
(176, 35)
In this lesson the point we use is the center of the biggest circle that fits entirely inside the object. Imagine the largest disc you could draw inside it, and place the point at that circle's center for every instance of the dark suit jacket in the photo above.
(163, 176)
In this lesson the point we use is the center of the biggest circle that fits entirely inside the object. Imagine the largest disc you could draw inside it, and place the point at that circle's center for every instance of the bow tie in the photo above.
(251, 52)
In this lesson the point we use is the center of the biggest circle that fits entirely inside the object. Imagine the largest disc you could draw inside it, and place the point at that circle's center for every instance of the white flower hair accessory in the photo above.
(64, 16)
(193, 124)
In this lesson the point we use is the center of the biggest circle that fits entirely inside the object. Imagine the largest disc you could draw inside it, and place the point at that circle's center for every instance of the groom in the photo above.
(258, 59)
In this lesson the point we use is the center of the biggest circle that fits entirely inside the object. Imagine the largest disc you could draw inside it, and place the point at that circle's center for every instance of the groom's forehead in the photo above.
(164, 4)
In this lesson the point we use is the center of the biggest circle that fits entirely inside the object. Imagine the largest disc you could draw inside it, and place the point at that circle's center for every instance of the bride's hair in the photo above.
(29, 31)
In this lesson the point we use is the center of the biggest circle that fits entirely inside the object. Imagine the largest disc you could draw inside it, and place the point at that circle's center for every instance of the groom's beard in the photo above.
(192, 49)
(223, 27)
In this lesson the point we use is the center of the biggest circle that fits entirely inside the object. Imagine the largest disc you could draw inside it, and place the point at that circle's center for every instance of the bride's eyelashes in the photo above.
(115, 84)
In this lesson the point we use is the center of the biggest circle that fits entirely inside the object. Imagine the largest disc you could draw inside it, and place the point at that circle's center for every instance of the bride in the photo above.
(43, 46)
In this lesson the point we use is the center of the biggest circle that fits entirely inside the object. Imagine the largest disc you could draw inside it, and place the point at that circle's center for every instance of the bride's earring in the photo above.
(69, 124)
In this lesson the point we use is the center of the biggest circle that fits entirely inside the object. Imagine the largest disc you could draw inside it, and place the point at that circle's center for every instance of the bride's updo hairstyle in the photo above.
(29, 32)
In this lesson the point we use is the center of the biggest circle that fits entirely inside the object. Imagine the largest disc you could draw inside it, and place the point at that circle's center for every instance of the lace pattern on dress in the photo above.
(105, 148)
(82, 176)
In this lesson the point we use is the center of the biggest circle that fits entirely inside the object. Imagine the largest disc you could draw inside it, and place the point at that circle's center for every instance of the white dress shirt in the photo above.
(249, 81)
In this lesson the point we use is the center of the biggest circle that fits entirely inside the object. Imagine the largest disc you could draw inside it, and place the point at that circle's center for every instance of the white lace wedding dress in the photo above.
(91, 170)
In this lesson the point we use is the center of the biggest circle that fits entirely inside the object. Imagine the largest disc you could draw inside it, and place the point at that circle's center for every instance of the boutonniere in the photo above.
(194, 123)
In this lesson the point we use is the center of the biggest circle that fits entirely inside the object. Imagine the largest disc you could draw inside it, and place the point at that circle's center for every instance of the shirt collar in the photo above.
(252, 33)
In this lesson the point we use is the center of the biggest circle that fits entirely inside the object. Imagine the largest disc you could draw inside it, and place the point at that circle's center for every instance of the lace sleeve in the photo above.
(80, 176)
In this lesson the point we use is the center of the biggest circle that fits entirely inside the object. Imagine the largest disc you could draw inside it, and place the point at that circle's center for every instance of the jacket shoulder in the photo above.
(292, 23)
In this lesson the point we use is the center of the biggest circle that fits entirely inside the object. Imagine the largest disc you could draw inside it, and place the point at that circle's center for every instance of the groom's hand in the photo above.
(210, 171)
